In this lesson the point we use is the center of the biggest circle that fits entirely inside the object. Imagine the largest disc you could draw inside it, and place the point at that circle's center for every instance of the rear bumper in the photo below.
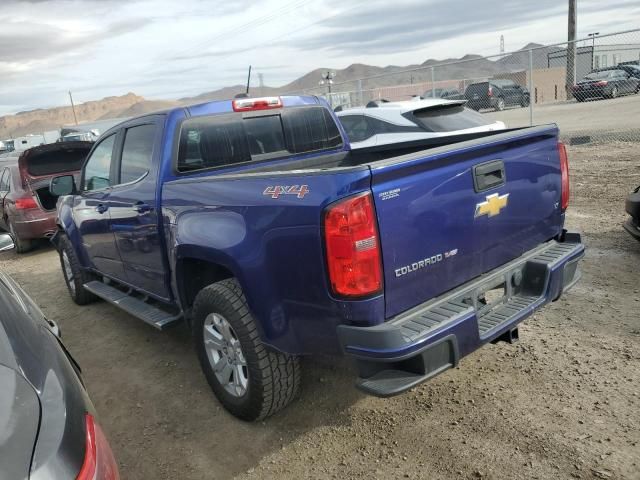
(432, 337)
(487, 102)
(594, 92)
(40, 225)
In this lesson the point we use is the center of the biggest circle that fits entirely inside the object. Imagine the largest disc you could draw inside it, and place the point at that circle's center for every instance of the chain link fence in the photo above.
(589, 87)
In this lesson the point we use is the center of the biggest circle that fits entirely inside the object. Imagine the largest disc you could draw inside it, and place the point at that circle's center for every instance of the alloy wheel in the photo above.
(225, 355)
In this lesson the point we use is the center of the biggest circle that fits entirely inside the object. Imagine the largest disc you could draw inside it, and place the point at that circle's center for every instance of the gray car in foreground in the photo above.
(47, 422)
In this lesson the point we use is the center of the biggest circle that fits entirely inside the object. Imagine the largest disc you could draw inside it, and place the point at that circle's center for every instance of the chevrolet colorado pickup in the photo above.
(254, 222)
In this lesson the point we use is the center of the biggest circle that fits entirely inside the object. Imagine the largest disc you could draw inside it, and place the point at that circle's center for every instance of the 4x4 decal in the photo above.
(276, 191)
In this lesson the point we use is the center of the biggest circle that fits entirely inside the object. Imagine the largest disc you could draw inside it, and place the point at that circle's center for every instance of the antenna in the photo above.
(501, 43)
(248, 80)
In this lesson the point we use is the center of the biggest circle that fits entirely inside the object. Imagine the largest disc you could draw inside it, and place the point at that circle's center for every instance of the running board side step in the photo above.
(150, 314)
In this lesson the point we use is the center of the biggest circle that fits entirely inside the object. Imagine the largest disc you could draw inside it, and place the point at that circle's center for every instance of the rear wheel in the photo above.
(614, 92)
(22, 245)
(251, 381)
(500, 104)
(525, 101)
(74, 276)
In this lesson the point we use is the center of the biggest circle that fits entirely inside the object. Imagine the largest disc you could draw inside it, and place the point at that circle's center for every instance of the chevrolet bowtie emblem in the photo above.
(492, 206)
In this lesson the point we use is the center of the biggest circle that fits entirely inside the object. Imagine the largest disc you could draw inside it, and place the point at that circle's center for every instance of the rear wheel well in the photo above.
(194, 274)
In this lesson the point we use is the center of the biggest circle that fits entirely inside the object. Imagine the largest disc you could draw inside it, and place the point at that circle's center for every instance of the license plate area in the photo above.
(495, 292)
(491, 297)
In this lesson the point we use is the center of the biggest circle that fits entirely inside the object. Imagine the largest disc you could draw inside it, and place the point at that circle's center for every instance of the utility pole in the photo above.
(571, 50)
(73, 107)
(593, 48)
(261, 81)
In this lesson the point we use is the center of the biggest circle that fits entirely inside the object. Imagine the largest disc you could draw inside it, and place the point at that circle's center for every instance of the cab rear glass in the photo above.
(221, 140)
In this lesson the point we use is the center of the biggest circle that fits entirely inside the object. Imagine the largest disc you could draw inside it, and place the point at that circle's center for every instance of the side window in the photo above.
(357, 127)
(97, 170)
(137, 153)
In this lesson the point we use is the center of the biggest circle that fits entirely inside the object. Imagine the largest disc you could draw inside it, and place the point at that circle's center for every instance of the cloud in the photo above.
(22, 42)
(157, 47)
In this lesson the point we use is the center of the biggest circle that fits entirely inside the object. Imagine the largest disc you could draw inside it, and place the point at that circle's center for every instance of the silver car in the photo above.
(384, 123)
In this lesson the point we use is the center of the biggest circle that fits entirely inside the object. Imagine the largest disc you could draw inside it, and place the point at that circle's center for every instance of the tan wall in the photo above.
(548, 83)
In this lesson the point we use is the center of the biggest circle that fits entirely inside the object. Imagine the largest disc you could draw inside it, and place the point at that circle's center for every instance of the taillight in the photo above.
(490, 92)
(353, 247)
(601, 83)
(564, 175)
(249, 104)
(99, 463)
(26, 203)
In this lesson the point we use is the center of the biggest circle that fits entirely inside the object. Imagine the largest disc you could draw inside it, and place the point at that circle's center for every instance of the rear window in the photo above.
(217, 141)
(449, 118)
(481, 88)
(57, 161)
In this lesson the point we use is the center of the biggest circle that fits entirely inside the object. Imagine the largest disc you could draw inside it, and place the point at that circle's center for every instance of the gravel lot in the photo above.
(562, 403)
(603, 120)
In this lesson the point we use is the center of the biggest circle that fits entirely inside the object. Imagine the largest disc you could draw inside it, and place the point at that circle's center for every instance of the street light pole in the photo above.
(328, 78)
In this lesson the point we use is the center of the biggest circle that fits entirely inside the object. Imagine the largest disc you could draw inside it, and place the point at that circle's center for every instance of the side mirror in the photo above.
(6, 242)
(62, 185)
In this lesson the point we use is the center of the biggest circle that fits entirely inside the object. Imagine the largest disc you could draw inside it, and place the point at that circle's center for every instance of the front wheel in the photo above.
(74, 276)
(251, 381)
(525, 102)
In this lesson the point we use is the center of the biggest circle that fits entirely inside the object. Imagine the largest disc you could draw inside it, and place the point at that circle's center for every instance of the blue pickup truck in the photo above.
(254, 222)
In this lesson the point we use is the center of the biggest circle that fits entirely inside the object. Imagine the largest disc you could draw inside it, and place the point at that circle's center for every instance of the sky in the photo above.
(167, 49)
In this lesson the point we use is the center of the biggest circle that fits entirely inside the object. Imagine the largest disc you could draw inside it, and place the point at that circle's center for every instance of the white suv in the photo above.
(383, 123)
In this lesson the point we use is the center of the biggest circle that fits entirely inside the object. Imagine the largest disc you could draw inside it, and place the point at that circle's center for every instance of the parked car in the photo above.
(28, 210)
(606, 84)
(273, 239)
(631, 68)
(49, 427)
(447, 93)
(632, 206)
(496, 94)
(397, 122)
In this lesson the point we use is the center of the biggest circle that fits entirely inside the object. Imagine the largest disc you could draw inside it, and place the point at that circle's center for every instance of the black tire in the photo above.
(75, 285)
(22, 245)
(525, 102)
(614, 92)
(500, 104)
(273, 378)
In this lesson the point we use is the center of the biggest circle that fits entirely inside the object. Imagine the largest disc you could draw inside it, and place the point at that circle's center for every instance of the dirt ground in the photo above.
(562, 403)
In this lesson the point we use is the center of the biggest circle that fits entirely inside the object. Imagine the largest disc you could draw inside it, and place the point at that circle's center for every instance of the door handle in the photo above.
(141, 207)
(488, 175)
(101, 208)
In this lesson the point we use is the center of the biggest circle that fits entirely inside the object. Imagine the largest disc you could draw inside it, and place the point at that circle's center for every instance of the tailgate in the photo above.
(450, 214)
(39, 164)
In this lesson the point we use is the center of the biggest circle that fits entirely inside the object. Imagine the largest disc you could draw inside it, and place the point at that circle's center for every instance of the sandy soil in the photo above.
(562, 403)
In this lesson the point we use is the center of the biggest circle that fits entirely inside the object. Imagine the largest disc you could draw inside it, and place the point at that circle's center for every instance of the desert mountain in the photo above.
(468, 67)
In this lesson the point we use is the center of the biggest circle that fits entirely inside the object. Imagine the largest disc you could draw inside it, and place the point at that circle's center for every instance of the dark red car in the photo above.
(28, 209)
